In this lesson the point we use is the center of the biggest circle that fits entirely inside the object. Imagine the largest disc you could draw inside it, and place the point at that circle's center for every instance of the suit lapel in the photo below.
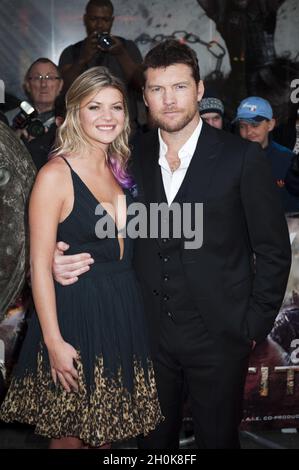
(197, 181)
(151, 172)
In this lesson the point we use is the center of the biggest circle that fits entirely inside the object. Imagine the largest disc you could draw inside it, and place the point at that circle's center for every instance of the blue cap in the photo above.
(254, 109)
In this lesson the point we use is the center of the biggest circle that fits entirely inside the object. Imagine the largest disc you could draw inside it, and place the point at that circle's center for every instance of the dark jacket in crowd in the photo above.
(281, 159)
(40, 147)
(292, 177)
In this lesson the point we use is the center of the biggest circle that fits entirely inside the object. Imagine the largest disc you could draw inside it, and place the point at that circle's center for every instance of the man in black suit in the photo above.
(206, 306)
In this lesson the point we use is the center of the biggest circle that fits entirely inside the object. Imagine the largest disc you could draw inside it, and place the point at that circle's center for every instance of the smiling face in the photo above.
(102, 116)
(172, 96)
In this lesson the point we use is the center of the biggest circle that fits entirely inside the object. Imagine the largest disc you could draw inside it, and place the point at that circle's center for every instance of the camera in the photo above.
(26, 113)
(26, 118)
(35, 128)
(105, 41)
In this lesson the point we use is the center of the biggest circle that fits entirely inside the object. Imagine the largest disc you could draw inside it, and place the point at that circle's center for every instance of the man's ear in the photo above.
(271, 124)
(26, 88)
(200, 90)
(144, 98)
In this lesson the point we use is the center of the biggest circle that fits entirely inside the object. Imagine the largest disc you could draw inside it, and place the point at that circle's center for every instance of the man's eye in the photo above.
(94, 107)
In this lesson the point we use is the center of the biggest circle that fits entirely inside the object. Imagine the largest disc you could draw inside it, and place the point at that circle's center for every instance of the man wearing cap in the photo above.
(255, 121)
(211, 111)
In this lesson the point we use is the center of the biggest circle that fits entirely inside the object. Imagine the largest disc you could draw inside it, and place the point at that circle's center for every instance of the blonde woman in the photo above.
(84, 377)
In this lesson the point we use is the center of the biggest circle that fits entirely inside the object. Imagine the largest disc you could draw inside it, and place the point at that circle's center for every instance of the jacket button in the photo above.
(164, 240)
(166, 277)
(155, 292)
(166, 298)
(165, 259)
(169, 314)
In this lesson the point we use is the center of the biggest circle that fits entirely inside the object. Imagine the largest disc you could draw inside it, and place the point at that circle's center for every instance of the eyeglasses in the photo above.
(48, 78)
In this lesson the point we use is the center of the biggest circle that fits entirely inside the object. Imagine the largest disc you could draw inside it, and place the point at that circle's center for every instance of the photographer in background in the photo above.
(42, 84)
(121, 56)
(41, 147)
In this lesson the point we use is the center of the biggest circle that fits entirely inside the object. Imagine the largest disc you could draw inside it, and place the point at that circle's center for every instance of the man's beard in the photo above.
(175, 126)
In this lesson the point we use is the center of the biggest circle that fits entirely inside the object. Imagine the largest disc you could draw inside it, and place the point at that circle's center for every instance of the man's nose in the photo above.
(101, 25)
(43, 83)
(169, 97)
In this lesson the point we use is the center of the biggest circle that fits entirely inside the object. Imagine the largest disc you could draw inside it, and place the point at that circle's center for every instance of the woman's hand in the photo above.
(62, 356)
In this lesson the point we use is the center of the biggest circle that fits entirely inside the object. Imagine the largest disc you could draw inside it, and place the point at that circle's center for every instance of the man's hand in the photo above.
(67, 268)
(116, 49)
(90, 48)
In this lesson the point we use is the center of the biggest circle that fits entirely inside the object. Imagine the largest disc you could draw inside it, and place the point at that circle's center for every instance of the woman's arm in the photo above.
(46, 204)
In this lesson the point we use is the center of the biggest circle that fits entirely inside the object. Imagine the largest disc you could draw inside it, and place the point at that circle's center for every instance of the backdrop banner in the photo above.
(272, 386)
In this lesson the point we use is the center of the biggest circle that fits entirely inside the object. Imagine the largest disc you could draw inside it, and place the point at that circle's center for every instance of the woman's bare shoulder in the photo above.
(54, 178)
(54, 169)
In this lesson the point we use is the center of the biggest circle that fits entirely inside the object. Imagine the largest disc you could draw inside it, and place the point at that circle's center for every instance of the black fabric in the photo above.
(218, 300)
(188, 355)
(102, 314)
(242, 216)
(40, 147)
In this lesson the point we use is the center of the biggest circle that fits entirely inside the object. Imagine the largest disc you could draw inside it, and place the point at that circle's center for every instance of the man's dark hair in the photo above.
(171, 52)
(41, 60)
(100, 3)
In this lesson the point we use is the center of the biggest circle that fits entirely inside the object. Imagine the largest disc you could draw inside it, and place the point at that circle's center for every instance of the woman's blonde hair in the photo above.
(71, 138)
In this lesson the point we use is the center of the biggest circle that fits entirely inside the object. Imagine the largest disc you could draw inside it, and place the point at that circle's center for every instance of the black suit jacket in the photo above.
(242, 220)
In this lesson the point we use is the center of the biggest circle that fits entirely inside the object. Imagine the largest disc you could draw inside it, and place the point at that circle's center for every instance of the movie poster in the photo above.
(272, 387)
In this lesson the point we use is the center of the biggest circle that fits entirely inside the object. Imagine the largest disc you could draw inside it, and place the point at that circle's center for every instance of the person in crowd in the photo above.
(206, 304)
(43, 84)
(85, 377)
(121, 56)
(40, 148)
(211, 111)
(256, 122)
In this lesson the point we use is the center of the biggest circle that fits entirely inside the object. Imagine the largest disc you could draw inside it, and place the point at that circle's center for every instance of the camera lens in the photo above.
(105, 41)
(35, 128)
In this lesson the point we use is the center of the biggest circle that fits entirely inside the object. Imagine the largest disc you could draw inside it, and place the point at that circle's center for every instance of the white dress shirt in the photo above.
(172, 180)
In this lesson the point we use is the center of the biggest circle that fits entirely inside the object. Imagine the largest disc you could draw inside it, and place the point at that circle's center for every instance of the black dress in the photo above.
(102, 317)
